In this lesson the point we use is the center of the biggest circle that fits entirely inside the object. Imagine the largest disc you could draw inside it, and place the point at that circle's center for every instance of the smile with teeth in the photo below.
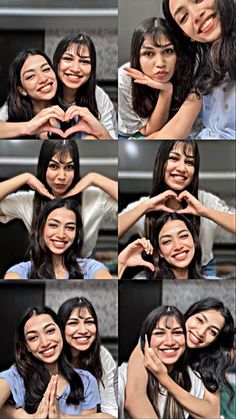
(194, 338)
(49, 351)
(73, 76)
(59, 244)
(179, 177)
(180, 255)
(46, 88)
(205, 25)
(169, 350)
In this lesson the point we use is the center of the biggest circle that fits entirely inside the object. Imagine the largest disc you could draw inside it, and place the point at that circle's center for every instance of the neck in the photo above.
(58, 266)
(74, 357)
(181, 273)
(69, 95)
(39, 105)
(52, 368)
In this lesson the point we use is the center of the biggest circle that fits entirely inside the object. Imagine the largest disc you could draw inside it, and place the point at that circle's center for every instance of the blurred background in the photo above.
(217, 175)
(20, 156)
(42, 24)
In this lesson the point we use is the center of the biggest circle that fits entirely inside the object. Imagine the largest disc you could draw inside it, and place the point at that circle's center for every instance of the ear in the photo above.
(21, 91)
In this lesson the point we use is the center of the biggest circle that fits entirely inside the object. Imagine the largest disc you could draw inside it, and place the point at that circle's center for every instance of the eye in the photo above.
(183, 19)
(85, 61)
(166, 242)
(53, 166)
(189, 162)
(66, 58)
(169, 51)
(184, 236)
(45, 69)
(147, 54)
(90, 322)
(70, 228)
(72, 323)
(213, 332)
(52, 225)
(178, 332)
(174, 158)
(32, 338)
(199, 320)
(30, 77)
(158, 333)
(70, 167)
(51, 331)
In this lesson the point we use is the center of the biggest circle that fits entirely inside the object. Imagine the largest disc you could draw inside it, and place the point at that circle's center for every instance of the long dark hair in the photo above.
(155, 27)
(179, 372)
(48, 150)
(90, 359)
(212, 361)
(20, 107)
(163, 270)
(36, 377)
(41, 257)
(158, 178)
(85, 95)
(216, 60)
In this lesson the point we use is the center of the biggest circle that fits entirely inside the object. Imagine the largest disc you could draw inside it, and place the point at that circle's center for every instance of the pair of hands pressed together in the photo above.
(48, 407)
(48, 119)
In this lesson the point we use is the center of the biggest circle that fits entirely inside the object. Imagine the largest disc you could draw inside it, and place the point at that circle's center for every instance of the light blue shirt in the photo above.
(89, 267)
(91, 393)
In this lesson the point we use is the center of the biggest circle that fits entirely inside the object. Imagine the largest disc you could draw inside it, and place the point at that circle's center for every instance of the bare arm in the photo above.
(181, 124)
(137, 403)
(107, 185)
(5, 392)
(103, 274)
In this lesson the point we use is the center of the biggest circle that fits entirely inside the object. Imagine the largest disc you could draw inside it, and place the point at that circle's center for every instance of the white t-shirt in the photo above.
(98, 209)
(129, 122)
(207, 227)
(108, 393)
(105, 108)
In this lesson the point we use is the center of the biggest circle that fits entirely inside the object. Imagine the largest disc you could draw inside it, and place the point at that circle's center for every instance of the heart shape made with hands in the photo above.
(180, 204)
(62, 125)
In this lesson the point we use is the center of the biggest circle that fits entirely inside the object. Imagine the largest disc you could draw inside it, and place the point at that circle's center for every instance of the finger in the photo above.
(53, 392)
(146, 345)
(149, 265)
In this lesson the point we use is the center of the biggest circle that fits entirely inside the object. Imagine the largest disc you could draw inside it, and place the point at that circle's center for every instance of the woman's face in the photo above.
(203, 328)
(60, 230)
(43, 338)
(158, 62)
(38, 80)
(176, 244)
(60, 174)
(168, 340)
(74, 67)
(197, 18)
(179, 168)
(80, 330)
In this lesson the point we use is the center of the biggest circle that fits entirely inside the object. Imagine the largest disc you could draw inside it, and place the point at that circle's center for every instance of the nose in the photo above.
(196, 13)
(60, 233)
(169, 340)
(75, 66)
(42, 77)
(202, 330)
(82, 328)
(44, 341)
(177, 244)
(160, 60)
(181, 165)
(61, 173)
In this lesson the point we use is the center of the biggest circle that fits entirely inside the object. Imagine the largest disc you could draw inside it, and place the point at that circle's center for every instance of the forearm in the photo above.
(121, 269)
(139, 407)
(181, 124)
(129, 218)
(107, 185)
(10, 412)
(159, 115)
(100, 415)
(198, 408)
(12, 129)
(11, 185)
(225, 220)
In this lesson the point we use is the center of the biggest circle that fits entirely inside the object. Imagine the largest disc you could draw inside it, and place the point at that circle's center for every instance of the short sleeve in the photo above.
(18, 205)
(91, 393)
(107, 112)
(16, 384)
(90, 267)
(23, 269)
(108, 392)
(4, 112)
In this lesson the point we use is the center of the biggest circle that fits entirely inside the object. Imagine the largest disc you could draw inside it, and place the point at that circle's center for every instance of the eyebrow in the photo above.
(32, 70)
(57, 221)
(179, 155)
(158, 46)
(57, 162)
(179, 9)
(36, 331)
(179, 232)
(164, 328)
(73, 55)
(79, 317)
(206, 320)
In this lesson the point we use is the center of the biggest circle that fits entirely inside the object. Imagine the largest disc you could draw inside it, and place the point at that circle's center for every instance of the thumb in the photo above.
(149, 265)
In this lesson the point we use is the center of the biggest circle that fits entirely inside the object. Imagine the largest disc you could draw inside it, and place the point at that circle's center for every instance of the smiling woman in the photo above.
(56, 244)
(32, 87)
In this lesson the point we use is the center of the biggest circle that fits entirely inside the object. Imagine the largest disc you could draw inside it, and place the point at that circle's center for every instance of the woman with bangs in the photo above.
(42, 383)
(175, 189)
(84, 350)
(32, 87)
(209, 338)
(163, 343)
(89, 113)
(58, 176)
(156, 85)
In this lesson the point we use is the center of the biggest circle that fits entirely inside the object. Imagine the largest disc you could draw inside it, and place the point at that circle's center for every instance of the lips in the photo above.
(47, 353)
(73, 77)
(82, 340)
(193, 338)
(179, 256)
(46, 88)
(169, 352)
(207, 24)
(179, 178)
(59, 244)
(161, 74)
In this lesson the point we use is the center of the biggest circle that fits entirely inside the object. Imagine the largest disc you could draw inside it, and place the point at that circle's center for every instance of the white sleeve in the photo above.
(129, 121)
(4, 112)
(18, 205)
(107, 112)
(108, 392)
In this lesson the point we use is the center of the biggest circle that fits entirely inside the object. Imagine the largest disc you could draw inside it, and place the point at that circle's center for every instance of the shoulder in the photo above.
(96, 198)
(106, 356)
(101, 96)
(85, 376)
(22, 269)
(90, 267)
(4, 112)
(12, 373)
(212, 201)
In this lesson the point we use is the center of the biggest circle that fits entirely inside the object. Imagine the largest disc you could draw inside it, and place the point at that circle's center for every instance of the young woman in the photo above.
(156, 83)
(55, 247)
(86, 104)
(211, 25)
(210, 333)
(83, 349)
(175, 188)
(32, 87)
(165, 334)
(58, 174)
(42, 381)
(175, 249)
